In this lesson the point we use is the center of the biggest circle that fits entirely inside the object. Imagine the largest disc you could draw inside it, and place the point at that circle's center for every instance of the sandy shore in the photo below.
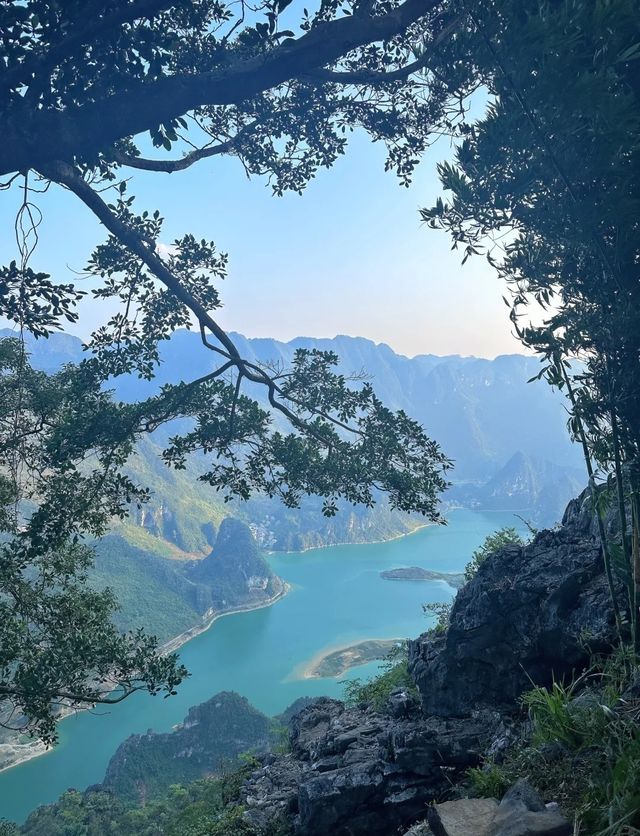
(341, 658)
(12, 754)
(209, 619)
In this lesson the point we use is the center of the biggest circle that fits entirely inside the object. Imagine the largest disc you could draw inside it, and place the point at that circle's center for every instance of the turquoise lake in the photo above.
(337, 597)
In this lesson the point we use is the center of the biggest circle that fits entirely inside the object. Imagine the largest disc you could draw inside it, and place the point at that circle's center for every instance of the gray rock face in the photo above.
(520, 813)
(271, 793)
(353, 771)
(464, 817)
(524, 617)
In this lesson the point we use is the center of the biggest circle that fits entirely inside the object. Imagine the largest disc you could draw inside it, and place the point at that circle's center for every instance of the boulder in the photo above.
(401, 703)
(270, 794)
(463, 817)
(355, 772)
(522, 813)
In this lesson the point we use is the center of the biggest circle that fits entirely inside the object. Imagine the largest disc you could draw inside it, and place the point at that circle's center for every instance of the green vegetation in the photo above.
(545, 184)
(65, 441)
(488, 781)
(557, 717)
(280, 737)
(207, 807)
(139, 582)
(60, 441)
(583, 750)
(171, 525)
(169, 597)
(214, 734)
(493, 543)
(442, 612)
(376, 691)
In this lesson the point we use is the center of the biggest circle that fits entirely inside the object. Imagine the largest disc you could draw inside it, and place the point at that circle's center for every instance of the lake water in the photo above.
(337, 597)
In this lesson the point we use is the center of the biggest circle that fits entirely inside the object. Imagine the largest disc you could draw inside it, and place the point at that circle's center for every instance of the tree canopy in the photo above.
(546, 186)
(89, 93)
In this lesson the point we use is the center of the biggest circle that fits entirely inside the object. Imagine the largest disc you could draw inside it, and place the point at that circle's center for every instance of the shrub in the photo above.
(442, 612)
(280, 738)
(492, 544)
(488, 781)
(583, 750)
(558, 716)
(231, 821)
(376, 691)
(232, 780)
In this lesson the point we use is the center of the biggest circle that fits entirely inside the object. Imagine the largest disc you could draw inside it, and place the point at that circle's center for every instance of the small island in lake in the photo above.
(416, 573)
(335, 662)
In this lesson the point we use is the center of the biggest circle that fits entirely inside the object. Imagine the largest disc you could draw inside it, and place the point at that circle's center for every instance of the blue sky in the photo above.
(350, 256)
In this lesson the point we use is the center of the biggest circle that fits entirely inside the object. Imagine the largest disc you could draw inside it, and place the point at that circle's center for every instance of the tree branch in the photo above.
(33, 139)
(65, 174)
(169, 166)
(374, 78)
(90, 699)
(365, 77)
(152, 424)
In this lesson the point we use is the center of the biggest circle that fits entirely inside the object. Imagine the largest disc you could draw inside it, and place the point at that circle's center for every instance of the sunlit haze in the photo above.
(349, 256)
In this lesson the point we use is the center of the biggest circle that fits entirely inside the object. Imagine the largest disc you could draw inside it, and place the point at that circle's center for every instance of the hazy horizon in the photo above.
(348, 256)
(327, 337)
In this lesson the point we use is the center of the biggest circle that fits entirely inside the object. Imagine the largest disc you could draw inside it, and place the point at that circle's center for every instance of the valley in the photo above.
(186, 558)
(337, 597)
(321, 585)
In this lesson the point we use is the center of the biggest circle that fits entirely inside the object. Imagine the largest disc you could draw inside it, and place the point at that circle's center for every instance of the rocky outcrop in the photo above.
(354, 771)
(520, 813)
(531, 613)
(462, 817)
(235, 573)
(523, 813)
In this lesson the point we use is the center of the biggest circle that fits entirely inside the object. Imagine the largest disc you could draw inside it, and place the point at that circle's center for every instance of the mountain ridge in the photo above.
(481, 411)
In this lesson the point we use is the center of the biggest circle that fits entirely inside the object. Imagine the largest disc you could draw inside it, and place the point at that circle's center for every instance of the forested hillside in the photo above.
(482, 412)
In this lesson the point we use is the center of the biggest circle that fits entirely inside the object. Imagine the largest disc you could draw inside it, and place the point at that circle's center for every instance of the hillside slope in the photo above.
(482, 412)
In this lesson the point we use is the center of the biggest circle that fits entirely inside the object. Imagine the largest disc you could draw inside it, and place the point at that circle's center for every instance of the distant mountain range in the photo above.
(507, 437)
(481, 411)
(540, 488)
